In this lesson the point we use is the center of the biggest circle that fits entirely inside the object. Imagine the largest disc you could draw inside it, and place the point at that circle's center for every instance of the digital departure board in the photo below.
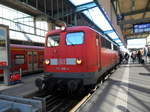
(3, 46)
(141, 27)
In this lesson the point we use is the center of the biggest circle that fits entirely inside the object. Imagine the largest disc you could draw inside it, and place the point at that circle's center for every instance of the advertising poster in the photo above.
(3, 46)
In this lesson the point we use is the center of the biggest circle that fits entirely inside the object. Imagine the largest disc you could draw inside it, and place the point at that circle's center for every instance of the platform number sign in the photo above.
(4, 46)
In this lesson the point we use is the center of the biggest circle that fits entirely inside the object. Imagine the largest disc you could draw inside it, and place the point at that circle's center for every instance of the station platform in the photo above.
(23, 89)
(126, 90)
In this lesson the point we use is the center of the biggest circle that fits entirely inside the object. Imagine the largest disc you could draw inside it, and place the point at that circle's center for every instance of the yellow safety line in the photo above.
(83, 101)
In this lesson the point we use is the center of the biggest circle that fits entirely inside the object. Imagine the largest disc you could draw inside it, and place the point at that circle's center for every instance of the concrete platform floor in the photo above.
(21, 89)
(127, 90)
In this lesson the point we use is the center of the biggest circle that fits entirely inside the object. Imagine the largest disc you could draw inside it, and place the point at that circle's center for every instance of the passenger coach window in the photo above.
(53, 40)
(19, 59)
(74, 38)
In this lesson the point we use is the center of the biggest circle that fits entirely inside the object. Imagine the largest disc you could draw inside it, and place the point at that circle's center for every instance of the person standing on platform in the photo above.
(139, 56)
(147, 48)
(133, 56)
(145, 53)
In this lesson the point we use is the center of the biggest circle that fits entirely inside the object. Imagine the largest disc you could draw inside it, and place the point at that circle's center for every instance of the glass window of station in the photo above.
(20, 22)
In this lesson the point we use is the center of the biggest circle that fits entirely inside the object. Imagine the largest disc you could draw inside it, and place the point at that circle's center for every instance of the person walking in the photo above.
(126, 57)
(120, 57)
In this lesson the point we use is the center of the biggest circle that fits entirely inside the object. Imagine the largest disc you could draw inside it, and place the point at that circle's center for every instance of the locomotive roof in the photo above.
(80, 28)
(71, 28)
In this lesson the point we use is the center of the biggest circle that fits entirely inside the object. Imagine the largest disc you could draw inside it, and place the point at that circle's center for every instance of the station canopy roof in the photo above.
(98, 17)
(134, 17)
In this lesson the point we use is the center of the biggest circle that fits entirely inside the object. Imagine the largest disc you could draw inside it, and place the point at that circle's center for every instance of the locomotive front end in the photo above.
(75, 58)
(64, 59)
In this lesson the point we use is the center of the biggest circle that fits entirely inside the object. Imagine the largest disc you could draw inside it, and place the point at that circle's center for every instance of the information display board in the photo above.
(4, 49)
(141, 27)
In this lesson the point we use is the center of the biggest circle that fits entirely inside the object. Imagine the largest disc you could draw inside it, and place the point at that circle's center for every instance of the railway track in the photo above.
(63, 102)
(56, 102)
(42, 101)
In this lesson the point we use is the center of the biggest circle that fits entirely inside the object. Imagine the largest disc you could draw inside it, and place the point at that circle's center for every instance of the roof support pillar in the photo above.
(75, 20)
(50, 26)
(34, 25)
(45, 8)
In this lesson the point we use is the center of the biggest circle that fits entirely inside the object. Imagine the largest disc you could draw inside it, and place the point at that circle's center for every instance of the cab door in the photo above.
(29, 60)
(98, 50)
(32, 61)
(35, 61)
(40, 60)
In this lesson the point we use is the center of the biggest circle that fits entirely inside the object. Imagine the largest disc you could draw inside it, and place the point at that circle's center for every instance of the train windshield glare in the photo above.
(53, 40)
(74, 38)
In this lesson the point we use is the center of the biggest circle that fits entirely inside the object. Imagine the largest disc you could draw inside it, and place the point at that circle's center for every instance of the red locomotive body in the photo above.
(27, 58)
(77, 56)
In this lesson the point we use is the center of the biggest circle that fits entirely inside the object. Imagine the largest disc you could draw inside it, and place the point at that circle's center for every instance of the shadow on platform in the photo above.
(145, 74)
(147, 67)
(122, 108)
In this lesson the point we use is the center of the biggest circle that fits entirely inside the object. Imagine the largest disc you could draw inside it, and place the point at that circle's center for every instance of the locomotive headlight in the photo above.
(63, 28)
(47, 62)
(78, 61)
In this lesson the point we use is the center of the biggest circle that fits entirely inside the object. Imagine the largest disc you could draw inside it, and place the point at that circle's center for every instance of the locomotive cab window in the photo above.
(74, 38)
(115, 48)
(19, 59)
(53, 40)
(105, 43)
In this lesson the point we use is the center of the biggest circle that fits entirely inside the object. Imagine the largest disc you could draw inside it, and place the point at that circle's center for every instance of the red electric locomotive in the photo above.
(76, 57)
(25, 57)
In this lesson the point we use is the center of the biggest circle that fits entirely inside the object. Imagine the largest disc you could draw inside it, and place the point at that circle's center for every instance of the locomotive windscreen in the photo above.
(74, 38)
(53, 40)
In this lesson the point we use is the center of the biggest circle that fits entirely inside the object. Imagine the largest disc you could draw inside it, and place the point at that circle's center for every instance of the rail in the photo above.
(44, 102)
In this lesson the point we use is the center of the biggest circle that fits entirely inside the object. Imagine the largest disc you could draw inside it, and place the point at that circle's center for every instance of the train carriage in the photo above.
(27, 58)
(75, 57)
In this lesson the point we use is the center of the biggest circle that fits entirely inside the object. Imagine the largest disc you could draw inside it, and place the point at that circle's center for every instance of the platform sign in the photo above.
(4, 46)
